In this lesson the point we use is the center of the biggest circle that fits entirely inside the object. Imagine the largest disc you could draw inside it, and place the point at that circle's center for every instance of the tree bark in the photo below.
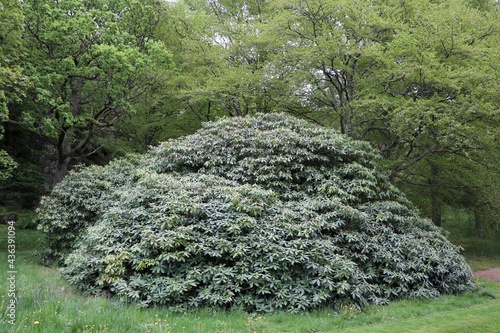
(63, 159)
(61, 170)
(63, 143)
(478, 222)
(436, 204)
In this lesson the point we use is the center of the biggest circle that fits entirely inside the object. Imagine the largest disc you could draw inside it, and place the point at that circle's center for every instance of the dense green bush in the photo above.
(263, 214)
(278, 152)
(78, 202)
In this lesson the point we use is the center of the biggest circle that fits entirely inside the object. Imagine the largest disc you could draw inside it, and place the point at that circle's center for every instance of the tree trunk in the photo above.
(63, 149)
(478, 222)
(436, 204)
(436, 208)
(64, 141)
(61, 170)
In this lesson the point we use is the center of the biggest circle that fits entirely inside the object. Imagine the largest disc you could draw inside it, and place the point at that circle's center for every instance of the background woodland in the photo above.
(84, 82)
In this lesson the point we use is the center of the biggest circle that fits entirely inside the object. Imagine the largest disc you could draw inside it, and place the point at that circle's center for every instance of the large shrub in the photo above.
(78, 202)
(263, 214)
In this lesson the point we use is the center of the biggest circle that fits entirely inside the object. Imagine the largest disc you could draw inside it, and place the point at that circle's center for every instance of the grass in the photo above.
(46, 303)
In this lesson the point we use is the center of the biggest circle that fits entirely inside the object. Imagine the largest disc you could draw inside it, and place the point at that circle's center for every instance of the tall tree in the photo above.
(439, 98)
(326, 53)
(90, 62)
(222, 57)
(418, 79)
(12, 82)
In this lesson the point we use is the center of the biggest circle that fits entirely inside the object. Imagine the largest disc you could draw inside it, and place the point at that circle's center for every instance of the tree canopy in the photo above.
(86, 81)
(12, 82)
(418, 80)
(89, 63)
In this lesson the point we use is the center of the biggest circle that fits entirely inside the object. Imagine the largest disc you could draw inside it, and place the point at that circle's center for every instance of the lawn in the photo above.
(46, 303)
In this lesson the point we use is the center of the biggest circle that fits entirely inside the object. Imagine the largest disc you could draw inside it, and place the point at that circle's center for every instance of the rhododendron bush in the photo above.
(259, 213)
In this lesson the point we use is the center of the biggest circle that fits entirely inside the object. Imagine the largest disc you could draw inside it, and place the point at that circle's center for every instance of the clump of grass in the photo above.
(487, 293)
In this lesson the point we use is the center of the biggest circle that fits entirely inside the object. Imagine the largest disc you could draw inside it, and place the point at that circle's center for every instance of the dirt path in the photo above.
(492, 274)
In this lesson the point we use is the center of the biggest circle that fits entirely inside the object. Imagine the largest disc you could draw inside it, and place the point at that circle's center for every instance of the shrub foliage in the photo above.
(78, 202)
(266, 213)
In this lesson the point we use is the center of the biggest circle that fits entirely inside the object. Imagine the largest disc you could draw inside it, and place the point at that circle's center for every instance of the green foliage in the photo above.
(284, 154)
(12, 82)
(77, 203)
(90, 63)
(47, 304)
(7, 165)
(26, 219)
(11, 18)
(416, 79)
(261, 214)
(222, 57)
(25, 184)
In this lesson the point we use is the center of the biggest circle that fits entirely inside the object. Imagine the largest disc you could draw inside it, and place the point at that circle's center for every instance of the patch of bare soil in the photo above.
(492, 274)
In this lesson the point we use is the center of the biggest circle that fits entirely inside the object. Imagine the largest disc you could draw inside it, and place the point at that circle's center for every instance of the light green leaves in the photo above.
(12, 82)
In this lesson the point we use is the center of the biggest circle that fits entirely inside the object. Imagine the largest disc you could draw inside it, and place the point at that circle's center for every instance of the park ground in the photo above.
(46, 303)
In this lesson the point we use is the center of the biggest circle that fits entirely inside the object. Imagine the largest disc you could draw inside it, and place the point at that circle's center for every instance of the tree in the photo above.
(440, 81)
(268, 214)
(469, 185)
(222, 57)
(90, 63)
(417, 79)
(12, 82)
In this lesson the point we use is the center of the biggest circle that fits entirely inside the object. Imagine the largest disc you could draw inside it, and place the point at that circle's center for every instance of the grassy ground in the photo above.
(47, 304)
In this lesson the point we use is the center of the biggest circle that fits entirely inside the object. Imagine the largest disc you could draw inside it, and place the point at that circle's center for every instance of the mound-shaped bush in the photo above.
(264, 214)
(78, 202)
